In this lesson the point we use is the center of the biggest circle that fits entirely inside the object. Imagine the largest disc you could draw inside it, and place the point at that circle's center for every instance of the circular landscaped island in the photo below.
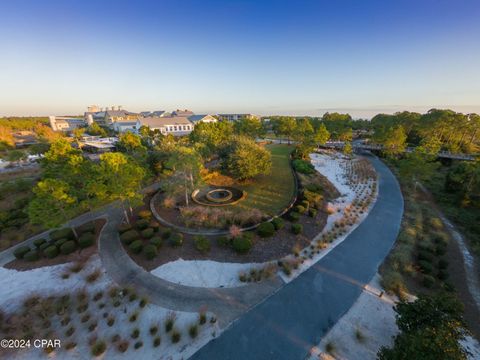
(218, 196)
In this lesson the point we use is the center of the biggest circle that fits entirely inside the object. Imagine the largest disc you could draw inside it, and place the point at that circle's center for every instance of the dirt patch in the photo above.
(80, 255)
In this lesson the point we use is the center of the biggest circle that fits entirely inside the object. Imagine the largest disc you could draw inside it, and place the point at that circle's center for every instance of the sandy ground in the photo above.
(367, 326)
(203, 273)
(17, 285)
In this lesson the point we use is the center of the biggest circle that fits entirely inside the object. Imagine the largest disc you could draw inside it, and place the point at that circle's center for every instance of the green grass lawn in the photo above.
(271, 193)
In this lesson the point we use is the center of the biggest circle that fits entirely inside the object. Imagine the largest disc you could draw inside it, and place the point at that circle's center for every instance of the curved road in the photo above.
(294, 319)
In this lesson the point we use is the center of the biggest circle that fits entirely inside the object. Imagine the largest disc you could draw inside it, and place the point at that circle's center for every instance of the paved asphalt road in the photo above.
(293, 320)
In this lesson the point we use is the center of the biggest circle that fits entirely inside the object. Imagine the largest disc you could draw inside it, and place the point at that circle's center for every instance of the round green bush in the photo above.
(88, 227)
(136, 246)
(425, 266)
(20, 252)
(154, 225)
(428, 281)
(436, 223)
(150, 251)
(202, 244)
(60, 242)
(442, 264)
(87, 239)
(242, 244)
(224, 241)
(98, 348)
(266, 229)
(156, 241)
(294, 216)
(300, 209)
(124, 228)
(176, 239)
(147, 233)
(166, 233)
(142, 224)
(32, 255)
(312, 212)
(425, 256)
(278, 223)
(297, 228)
(65, 233)
(305, 204)
(51, 251)
(129, 236)
(44, 246)
(68, 247)
(39, 242)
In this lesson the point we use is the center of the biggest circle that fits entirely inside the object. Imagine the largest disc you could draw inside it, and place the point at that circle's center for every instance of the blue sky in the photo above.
(265, 57)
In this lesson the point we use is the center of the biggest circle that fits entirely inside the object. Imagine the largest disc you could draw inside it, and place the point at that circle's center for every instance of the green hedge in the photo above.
(302, 166)
(312, 212)
(65, 233)
(136, 246)
(266, 229)
(68, 247)
(88, 227)
(297, 228)
(156, 241)
(278, 223)
(87, 239)
(20, 252)
(51, 251)
(294, 216)
(150, 251)
(176, 239)
(32, 255)
(202, 244)
(242, 244)
(300, 209)
(60, 242)
(39, 242)
(124, 228)
(129, 236)
(142, 224)
(147, 233)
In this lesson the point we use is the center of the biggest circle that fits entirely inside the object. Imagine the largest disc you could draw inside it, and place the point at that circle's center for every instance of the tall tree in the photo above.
(322, 135)
(249, 126)
(286, 126)
(430, 329)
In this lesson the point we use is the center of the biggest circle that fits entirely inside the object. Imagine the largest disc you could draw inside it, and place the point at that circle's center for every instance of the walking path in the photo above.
(293, 320)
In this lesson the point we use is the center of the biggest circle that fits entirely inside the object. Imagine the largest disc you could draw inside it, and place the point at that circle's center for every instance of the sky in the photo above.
(299, 57)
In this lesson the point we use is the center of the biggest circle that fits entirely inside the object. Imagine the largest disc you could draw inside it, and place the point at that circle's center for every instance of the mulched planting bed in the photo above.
(264, 249)
(79, 255)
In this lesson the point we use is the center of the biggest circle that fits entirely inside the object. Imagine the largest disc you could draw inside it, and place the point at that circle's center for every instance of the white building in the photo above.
(235, 117)
(65, 123)
(127, 125)
(195, 119)
(175, 125)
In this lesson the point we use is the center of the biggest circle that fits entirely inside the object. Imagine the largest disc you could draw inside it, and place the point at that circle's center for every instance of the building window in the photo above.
(175, 128)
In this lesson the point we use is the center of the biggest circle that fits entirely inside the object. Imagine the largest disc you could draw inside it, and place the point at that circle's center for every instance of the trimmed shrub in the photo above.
(20, 252)
(312, 212)
(39, 242)
(60, 242)
(88, 227)
(86, 239)
(425, 267)
(65, 233)
(224, 241)
(156, 241)
(193, 331)
(428, 281)
(303, 166)
(136, 246)
(147, 233)
(124, 228)
(202, 244)
(154, 225)
(129, 236)
(68, 247)
(176, 239)
(266, 229)
(32, 255)
(145, 214)
(278, 223)
(166, 234)
(297, 228)
(436, 223)
(305, 204)
(44, 246)
(157, 341)
(51, 251)
(176, 336)
(242, 244)
(300, 209)
(425, 256)
(150, 251)
(294, 216)
(142, 224)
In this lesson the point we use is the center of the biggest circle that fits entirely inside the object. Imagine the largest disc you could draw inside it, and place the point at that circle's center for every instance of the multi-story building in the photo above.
(175, 125)
(65, 123)
(235, 117)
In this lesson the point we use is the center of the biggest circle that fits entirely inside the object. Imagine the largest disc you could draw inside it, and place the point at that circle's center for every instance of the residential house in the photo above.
(65, 123)
(195, 119)
(122, 126)
(184, 113)
(235, 117)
